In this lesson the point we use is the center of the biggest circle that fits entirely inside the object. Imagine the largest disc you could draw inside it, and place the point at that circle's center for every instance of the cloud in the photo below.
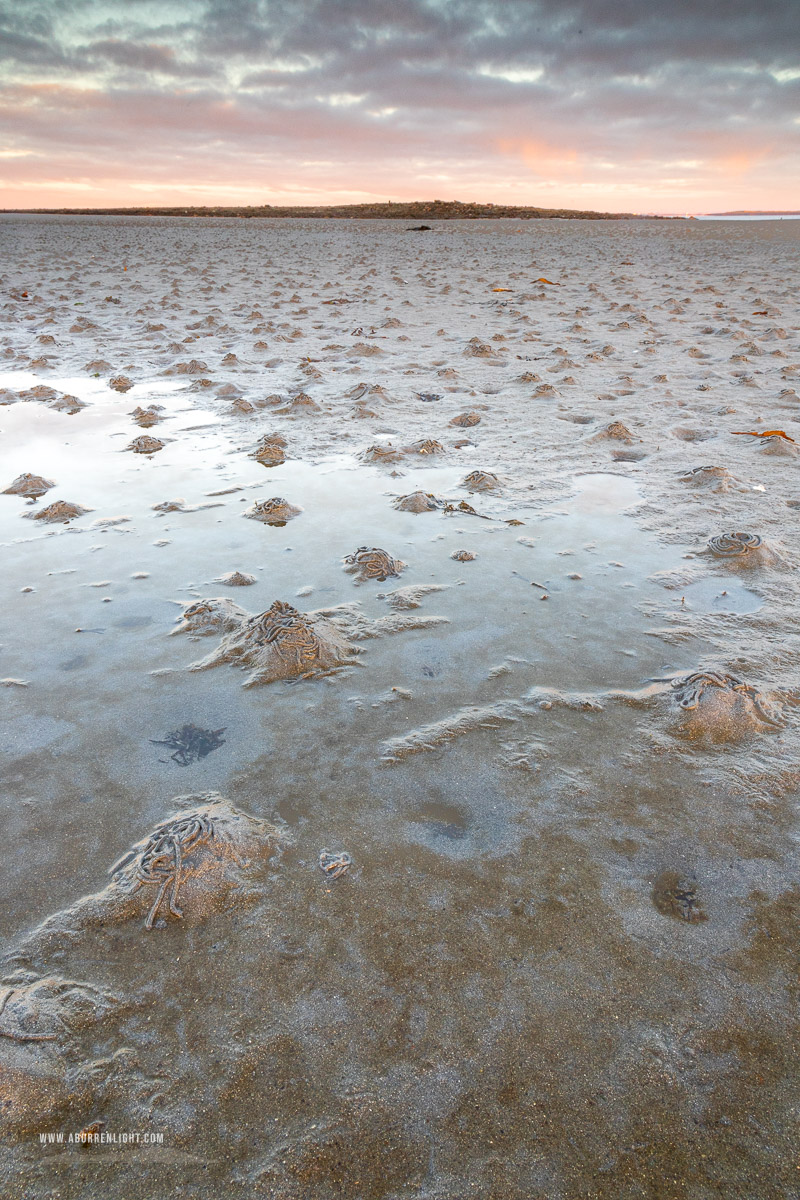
(510, 96)
(148, 58)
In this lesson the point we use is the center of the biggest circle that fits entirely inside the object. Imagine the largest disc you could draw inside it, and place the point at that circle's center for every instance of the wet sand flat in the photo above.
(400, 663)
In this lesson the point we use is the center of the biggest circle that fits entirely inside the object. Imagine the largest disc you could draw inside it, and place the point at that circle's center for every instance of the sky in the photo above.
(665, 106)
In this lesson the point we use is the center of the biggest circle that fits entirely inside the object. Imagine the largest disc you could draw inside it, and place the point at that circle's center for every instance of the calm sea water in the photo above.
(761, 217)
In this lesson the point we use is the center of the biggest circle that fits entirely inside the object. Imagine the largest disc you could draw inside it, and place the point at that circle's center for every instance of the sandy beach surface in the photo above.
(408, 621)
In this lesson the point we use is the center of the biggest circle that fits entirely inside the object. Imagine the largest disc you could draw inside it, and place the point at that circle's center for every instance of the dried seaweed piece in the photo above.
(190, 742)
(373, 563)
(463, 507)
(466, 420)
(425, 446)
(766, 433)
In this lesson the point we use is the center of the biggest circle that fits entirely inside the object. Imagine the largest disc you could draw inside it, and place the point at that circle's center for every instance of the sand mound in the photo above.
(778, 446)
(302, 403)
(194, 367)
(418, 502)
(217, 614)
(281, 643)
(713, 479)
(475, 348)
(615, 431)
(743, 550)
(196, 855)
(146, 417)
(381, 454)
(425, 446)
(34, 1009)
(40, 1017)
(372, 564)
(120, 383)
(199, 843)
(481, 481)
(412, 595)
(275, 511)
(146, 445)
(236, 579)
(716, 707)
(270, 450)
(29, 485)
(68, 404)
(60, 511)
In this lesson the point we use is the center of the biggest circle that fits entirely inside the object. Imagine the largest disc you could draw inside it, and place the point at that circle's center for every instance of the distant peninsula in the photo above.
(758, 212)
(417, 210)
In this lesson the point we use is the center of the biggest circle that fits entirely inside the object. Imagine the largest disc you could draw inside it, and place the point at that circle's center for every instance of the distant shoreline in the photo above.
(420, 210)
(757, 212)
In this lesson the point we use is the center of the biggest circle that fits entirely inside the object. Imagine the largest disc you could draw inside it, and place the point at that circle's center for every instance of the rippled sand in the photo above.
(559, 745)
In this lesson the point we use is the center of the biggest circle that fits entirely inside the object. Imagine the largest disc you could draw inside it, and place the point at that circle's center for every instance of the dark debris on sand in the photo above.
(190, 743)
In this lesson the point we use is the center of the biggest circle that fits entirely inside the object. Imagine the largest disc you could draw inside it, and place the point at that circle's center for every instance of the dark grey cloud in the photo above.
(148, 58)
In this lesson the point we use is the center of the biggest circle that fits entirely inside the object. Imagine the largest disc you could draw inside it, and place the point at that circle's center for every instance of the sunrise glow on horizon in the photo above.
(688, 107)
